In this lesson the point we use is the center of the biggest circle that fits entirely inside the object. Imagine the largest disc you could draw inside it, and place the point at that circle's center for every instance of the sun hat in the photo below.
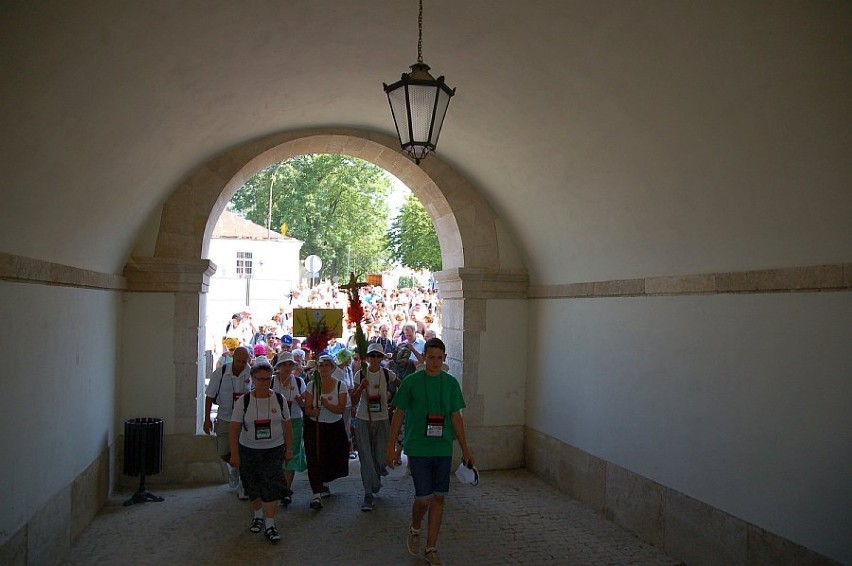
(343, 356)
(285, 357)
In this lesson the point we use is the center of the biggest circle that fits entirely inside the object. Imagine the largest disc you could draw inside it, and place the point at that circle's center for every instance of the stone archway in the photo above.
(474, 250)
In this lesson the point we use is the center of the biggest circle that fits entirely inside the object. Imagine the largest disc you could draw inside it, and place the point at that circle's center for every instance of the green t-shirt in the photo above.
(420, 395)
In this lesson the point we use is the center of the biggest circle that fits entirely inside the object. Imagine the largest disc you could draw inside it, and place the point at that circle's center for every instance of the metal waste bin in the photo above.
(143, 454)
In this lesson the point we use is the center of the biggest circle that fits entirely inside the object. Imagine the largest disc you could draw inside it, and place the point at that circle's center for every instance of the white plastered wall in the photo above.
(147, 383)
(502, 363)
(58, 387)
(740, 401)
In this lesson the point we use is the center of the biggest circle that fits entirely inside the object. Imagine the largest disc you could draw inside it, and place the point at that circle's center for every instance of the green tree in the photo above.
(336, 204)
(412, 237)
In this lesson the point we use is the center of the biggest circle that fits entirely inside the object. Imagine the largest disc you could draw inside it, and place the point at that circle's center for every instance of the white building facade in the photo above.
(255, 268)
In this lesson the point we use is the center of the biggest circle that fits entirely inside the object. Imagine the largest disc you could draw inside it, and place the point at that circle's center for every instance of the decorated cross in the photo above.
(355, 312)
(353, 286)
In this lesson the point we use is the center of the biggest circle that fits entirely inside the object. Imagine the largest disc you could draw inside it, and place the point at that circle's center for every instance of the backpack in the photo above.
(246, 399)
(221, 377)
(278, 396)
(363, 373)
(301, 382)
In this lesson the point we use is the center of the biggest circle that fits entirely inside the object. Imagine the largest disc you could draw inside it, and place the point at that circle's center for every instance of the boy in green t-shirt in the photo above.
(430, 401)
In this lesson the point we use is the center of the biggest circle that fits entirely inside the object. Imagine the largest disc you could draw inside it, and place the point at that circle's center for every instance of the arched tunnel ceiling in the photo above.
(597, 130)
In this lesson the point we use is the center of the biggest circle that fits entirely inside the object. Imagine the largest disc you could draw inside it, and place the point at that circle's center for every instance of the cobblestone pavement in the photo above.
(511, 517)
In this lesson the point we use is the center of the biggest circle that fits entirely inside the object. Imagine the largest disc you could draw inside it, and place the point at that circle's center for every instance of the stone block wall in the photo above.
(685, 528)
(47, 537)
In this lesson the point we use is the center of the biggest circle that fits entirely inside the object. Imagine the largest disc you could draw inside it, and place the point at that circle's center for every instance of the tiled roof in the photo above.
(232, 225)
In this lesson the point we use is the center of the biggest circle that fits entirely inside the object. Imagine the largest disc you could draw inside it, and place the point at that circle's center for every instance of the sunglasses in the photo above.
(375, 355)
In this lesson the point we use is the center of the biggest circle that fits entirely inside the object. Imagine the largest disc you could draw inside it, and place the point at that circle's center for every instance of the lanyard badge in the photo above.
(434, 426)
(262, 429)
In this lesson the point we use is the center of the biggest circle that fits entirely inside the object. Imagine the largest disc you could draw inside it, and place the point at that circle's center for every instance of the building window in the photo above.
(244, 265)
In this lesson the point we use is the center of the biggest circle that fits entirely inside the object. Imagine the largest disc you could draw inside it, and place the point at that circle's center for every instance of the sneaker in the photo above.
(353, 455)
(430, 555)
(325, 492)
(367, 505)
(241, 493)
(286, 501)
(413, 542)
(256, 525)
(233, 477)
(316, 502)
(272, 536)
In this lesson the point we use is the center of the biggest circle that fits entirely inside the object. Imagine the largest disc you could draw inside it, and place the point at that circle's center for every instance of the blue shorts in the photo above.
(431, 475)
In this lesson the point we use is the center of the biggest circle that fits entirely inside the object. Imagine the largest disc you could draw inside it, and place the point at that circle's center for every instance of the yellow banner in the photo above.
(306, 321)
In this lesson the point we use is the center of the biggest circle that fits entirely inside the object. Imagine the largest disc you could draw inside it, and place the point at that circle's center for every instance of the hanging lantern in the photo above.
(419, 103)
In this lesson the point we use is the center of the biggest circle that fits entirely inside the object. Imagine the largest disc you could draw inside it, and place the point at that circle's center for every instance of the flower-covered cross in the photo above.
(355, 313)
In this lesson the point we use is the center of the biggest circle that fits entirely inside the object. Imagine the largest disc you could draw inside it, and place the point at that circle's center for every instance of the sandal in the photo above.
(272, 535)
(256, 525)
(430, 555)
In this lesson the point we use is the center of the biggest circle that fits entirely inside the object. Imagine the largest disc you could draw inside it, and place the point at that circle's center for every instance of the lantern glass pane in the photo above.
(422, 104)
(396, 98)
(440, 112)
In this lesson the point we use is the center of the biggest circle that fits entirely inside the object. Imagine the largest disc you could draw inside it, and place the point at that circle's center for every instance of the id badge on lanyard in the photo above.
(262, 429)
(434, 426)
(374, 403)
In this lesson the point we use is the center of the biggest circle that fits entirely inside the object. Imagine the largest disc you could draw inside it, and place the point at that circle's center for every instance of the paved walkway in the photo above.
(511, 517)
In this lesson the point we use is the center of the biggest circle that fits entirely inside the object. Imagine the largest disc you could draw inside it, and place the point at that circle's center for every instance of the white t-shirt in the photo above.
(261, 410)
(225, 388)
(376, 385)
(327, 416)
(290, 391)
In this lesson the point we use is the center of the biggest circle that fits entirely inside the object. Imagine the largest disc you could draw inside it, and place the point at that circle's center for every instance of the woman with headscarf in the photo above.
(326, 444)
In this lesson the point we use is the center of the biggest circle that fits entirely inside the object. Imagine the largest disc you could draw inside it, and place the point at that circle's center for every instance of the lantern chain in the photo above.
(420, 34)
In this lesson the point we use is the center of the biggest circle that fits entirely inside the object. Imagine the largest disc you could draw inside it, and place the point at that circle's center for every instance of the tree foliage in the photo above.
(336, 204)
(412, 237)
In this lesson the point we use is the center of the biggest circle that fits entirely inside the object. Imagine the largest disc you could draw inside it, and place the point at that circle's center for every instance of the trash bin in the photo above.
(143, 454)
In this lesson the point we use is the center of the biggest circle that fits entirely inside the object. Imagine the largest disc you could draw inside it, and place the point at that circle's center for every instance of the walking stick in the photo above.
(318, 400)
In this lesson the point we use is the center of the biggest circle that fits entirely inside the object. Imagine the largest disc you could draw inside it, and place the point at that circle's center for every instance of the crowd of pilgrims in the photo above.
(325, 408)
(393, 308)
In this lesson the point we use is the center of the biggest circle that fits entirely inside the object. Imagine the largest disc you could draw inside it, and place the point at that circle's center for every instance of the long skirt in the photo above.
(298, 463)
(329, 460)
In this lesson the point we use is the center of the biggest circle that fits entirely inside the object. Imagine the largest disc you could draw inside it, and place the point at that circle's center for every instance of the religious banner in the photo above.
(328, 322)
